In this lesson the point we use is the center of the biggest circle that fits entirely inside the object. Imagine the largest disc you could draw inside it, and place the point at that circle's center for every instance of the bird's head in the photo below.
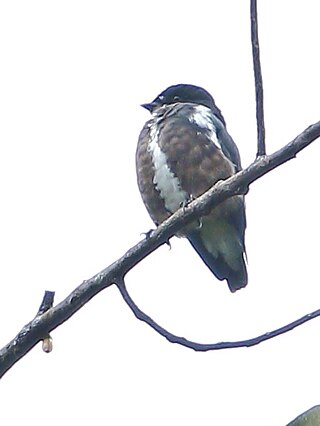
(183, 93)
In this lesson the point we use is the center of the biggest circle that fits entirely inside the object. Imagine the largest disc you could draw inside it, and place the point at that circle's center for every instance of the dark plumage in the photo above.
(182, 151)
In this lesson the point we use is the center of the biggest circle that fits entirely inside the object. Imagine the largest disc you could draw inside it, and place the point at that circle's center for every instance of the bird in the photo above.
(182, 151)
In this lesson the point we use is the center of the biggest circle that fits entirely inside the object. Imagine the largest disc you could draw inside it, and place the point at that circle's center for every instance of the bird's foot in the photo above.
(147, 234)
(185, 203)
(199, 225)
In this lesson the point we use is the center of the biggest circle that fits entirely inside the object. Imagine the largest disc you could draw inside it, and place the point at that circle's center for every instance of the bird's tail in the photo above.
(221, 249)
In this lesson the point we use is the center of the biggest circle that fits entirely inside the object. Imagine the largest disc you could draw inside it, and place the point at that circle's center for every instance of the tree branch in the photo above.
(257, 78)
(43, 324)
(203, 347)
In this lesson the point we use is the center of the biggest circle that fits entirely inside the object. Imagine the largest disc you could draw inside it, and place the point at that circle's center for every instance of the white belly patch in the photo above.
(166, 183)
(201, 116)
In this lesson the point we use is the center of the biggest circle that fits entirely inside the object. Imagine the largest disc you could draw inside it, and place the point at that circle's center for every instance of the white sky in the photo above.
(72, 77)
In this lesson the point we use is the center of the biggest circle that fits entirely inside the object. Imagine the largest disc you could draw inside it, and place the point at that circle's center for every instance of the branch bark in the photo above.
(43, 324)
(258, 79)
(203, 347)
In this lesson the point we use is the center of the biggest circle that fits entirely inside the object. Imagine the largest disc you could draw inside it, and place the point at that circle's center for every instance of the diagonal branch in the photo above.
(43, 324)
(257, 78)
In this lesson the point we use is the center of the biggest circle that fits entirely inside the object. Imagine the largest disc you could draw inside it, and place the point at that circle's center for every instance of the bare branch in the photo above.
(43, 324)
(257, 78)
(203, 347)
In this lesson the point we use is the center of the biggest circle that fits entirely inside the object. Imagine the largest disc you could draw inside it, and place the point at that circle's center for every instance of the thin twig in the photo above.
(203, 347)
(43, 324)
(257, 78)
(47, 302)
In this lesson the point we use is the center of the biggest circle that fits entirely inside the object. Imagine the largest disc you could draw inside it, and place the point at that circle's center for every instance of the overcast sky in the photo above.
(72, 77)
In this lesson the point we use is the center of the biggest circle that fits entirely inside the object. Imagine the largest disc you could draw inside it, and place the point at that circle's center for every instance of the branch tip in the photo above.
(261, 150)
(47, 302)
(47, 344)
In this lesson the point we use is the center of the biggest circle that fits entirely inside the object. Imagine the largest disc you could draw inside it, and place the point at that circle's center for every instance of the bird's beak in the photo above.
(149, 106)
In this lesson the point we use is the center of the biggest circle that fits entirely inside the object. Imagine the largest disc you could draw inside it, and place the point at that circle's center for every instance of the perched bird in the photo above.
(183, 150)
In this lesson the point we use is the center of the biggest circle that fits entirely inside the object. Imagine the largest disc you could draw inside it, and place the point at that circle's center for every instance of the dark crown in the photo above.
(185, 93)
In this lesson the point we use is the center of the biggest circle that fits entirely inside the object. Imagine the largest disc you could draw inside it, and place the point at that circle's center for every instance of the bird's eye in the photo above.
(176, 98)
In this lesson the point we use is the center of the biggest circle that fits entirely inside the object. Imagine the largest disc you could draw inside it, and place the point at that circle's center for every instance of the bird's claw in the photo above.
(185, 203)
(200, 223)
(147, 234)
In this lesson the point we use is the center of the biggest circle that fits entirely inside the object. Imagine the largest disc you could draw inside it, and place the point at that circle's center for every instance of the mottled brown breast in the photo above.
(191, 156)
(145, 173)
